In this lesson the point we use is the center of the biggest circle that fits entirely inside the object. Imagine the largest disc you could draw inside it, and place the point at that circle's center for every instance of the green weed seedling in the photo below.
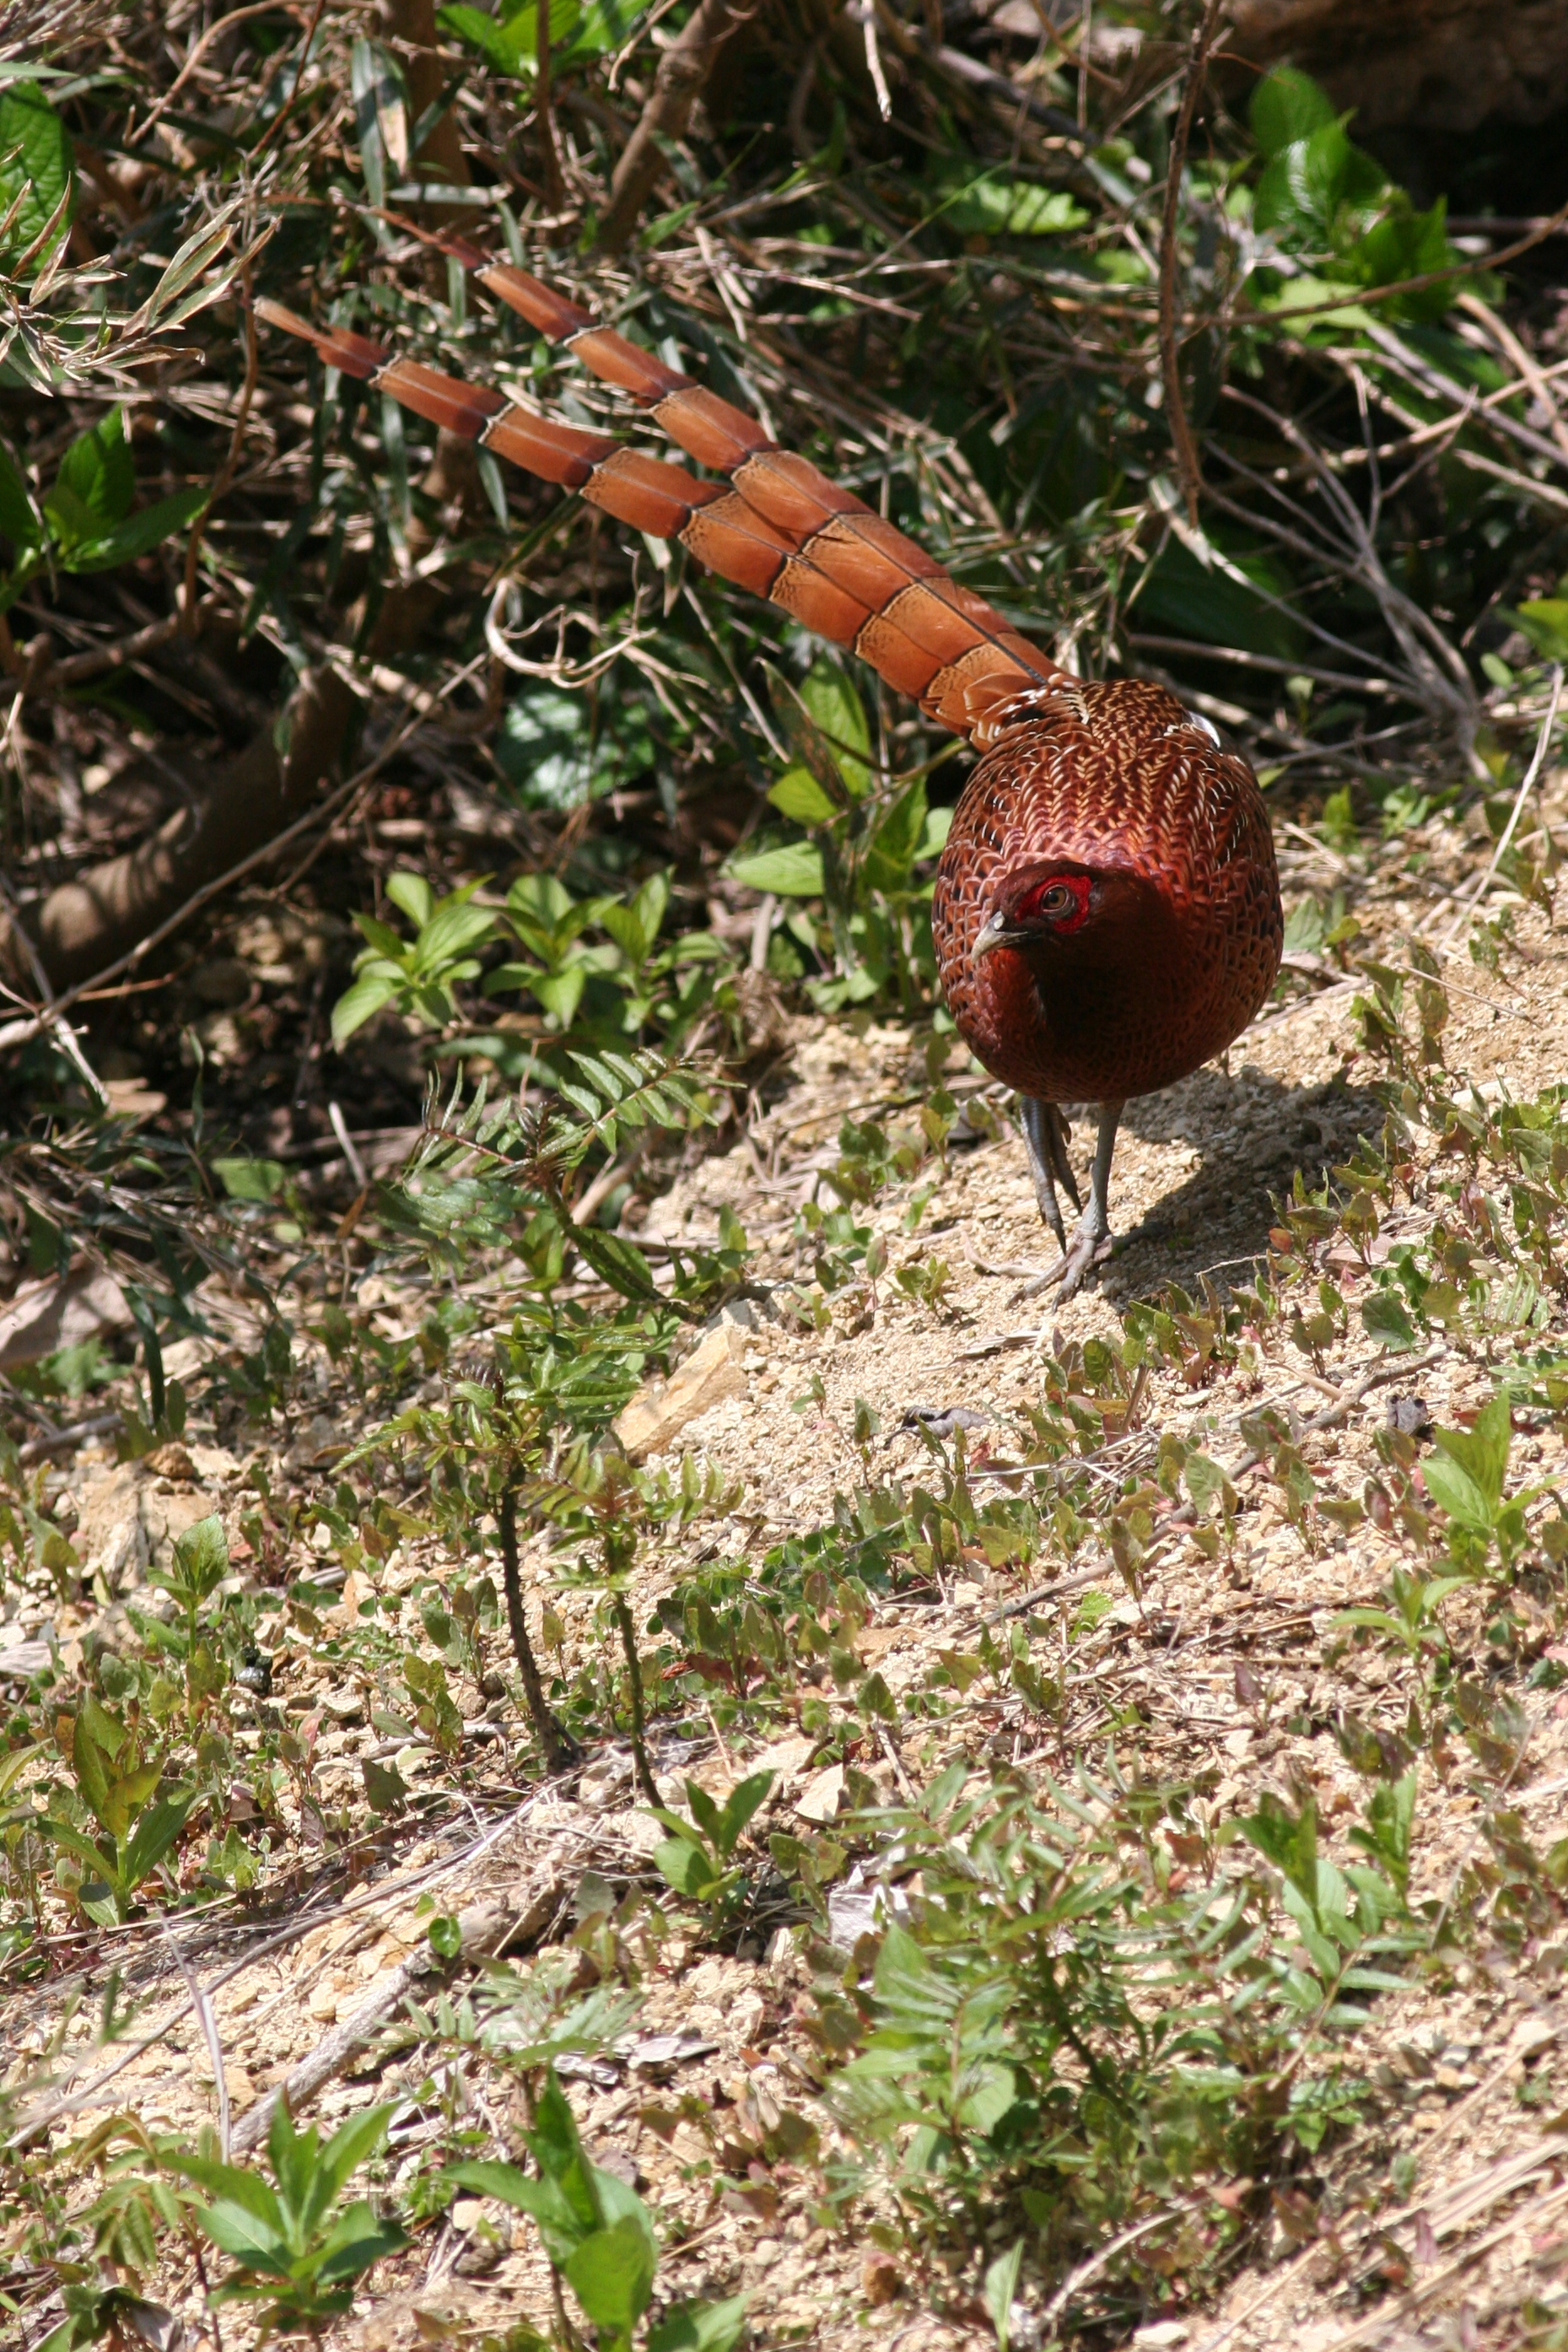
(200, 1565)
(698, 1858)
(118, 1785)
(84, 523)
(599, 2236)
(417, 976)
(299, 2251)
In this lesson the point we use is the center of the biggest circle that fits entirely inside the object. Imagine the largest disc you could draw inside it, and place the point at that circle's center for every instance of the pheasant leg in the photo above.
(1091, 1244)
(1045, 1133)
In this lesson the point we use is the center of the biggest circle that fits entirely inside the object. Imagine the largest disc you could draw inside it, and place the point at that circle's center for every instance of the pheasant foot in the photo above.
(1089, 1247)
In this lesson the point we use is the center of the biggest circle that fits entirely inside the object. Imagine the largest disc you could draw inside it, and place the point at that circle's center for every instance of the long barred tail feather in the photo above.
(779, 528)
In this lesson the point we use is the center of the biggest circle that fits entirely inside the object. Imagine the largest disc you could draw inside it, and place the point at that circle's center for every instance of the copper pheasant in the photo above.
(1106, 914)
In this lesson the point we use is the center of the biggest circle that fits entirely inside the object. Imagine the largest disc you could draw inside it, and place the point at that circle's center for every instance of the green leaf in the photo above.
(1481, 1451)
(685, 1867)
(511, 46)
(201, 1554)
(560, 2225)
(385, 1788)
(353, 2144)
(138, 535)
(247, 2236)
(96, 481)
(1384, 1313)
(934, 840)
(1288, 1840)
(993, 206)
(701, 2326)
(36, 148)
(413, 896)
(359, 1002)
(357, 2239)
(155, 1832)
(1288, 106)
(739, 1806)
(1455, 1491)
(997, 2292)
(830, 700)
(612, 2275)
(1544, 619)
(793, 872)
(892, 848)
(797, 794)
(250, 1180)
(93, 1760)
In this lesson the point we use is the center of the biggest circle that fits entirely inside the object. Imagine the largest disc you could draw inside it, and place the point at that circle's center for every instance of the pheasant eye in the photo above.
(1058, 900)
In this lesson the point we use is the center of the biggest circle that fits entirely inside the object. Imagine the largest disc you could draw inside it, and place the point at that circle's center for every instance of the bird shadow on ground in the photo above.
(1254, 1132)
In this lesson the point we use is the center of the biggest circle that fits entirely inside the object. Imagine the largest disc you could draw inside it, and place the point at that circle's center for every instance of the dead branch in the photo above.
(683, 70)
(1187, 466)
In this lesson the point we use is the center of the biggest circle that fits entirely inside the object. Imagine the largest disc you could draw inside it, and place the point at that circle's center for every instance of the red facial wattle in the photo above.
(1032, 908)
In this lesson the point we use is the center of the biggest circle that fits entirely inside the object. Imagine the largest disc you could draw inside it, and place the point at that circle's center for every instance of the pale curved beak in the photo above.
(995, 933)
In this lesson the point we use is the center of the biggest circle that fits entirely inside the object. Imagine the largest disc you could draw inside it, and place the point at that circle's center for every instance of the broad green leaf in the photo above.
(247, 2236)
(93, 1760)
(75, 1842)
(138, 535)
(359, 1002)
(994, 206)
(793, 872)
(203, 1555)
(14, 1764)
(739, 1806)
(1481, 1450)
(1288, 106)
(252, 1179)
(97, 479)
(35, 154)
(352, 2144)
(1288, 1840)
(156, 1832)
(891, 851)
(510, 46)
(701, 2326)
(797, 794)
(560, 2225)
(1453, 1490)
(1384, 1313)
(357, 2239)
(1000, 2287)
(828, 695)
(934, 840)
(809, 746)
(685, 1867)
(413, 896)
(454, 930)
(612, 2275)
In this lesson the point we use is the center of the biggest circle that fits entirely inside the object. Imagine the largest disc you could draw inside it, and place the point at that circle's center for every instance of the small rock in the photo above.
(882, 2279)
(322, 2005)
(820, 1798)
(23, 1660)
(172, 1461)
(655, 1417)
(1161, 2336)
(45, 1316)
